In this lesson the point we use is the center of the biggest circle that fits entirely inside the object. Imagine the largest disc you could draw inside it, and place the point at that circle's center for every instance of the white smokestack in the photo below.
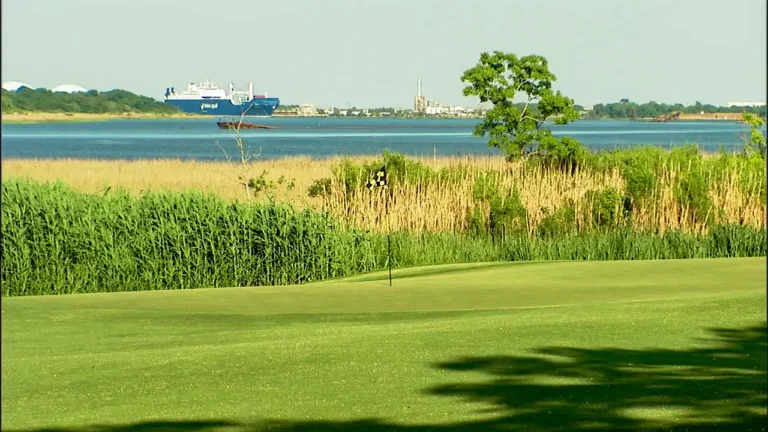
(418, 88)
(250, 90)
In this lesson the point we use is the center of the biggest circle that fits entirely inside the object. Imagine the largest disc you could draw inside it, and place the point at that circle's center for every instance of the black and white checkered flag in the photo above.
(379, 179)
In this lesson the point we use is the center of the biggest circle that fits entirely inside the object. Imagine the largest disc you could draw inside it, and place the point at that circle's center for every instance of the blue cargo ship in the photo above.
(207, 98)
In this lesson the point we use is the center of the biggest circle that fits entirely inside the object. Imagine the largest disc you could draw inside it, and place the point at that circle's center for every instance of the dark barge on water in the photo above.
(242, 125)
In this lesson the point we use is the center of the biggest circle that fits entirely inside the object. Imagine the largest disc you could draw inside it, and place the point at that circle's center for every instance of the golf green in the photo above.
(577, 346)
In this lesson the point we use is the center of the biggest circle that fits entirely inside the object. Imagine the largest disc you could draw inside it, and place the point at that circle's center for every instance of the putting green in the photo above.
(624, 345)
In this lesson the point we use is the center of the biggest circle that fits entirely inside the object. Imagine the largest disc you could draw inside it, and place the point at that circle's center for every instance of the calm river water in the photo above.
(323, 137)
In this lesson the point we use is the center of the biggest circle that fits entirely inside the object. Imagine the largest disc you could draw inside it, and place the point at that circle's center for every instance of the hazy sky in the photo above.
(369, 53)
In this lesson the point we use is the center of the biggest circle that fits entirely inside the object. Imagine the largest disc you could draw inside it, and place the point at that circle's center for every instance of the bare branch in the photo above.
(222, 149)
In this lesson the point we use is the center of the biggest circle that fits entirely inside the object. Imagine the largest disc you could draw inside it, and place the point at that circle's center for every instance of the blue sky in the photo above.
(368, 53)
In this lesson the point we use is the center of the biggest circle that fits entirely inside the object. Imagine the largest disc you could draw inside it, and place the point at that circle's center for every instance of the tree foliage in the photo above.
(92, 102)
(756, 142)
(498, 78)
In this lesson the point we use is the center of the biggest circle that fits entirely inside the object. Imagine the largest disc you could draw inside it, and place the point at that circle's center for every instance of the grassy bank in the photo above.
(592, 346)
(303, 220)
(59, 241)
(55, 117)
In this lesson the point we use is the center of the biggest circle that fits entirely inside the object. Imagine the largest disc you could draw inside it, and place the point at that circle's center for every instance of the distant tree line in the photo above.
(91, 102)
(625, 109)
(533, 107)
(122, 101)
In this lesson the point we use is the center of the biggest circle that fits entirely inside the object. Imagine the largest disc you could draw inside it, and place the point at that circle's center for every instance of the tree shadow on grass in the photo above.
(720, 386)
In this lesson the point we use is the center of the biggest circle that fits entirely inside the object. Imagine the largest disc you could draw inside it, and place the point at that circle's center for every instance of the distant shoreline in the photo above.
(43, 117)
(46, 117)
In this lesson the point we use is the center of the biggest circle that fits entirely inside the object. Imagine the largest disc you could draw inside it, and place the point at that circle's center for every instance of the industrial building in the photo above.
(307, 110)
(419, 102)
(433, 108)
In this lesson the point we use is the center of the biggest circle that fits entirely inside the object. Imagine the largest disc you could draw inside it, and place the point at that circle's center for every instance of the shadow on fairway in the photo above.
(719, 386)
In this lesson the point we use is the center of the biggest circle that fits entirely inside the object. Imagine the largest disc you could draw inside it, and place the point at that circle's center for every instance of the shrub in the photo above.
(604, 207)
(640, 182)
(561, 222)
(692, 192)
(260, 183)
(565, 153)
(349, 176)
(477, 222)
(320, 187)
(508, 215)
(486, 186)
(640, 156)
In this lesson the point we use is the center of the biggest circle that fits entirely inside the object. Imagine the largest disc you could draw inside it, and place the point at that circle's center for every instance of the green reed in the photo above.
(59, 241)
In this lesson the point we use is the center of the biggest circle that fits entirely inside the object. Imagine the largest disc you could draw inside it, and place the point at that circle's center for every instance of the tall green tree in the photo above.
(517, 128)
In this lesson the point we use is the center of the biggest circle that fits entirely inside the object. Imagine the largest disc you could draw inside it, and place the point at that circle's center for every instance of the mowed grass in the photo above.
(621, 345)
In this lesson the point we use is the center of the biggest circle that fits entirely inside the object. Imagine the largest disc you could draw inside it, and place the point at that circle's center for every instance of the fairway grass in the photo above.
(578, 346)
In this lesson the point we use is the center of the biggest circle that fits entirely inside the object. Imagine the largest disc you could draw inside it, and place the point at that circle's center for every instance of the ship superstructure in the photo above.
(207, 98)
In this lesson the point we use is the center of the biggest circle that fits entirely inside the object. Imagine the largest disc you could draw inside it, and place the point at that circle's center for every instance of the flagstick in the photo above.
(383, 182)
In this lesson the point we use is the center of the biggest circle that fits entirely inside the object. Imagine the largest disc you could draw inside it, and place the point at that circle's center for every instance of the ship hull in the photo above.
(259, 107)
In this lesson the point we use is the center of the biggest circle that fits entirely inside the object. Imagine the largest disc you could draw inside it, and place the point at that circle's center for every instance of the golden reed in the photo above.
(434, 208)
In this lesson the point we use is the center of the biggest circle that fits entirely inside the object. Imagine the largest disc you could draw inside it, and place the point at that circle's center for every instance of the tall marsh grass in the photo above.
(655, 190)
(649, 189)
(55, 240)
(59, 241)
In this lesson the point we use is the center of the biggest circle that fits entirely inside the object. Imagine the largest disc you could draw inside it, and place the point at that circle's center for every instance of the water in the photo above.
(322, 137)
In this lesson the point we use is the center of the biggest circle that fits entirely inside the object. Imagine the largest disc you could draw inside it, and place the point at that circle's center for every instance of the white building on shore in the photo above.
(15, 85)
(69, 88)
(307, 110)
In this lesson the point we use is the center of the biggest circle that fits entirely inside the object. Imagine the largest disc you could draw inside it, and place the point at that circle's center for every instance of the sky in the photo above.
(369, 53)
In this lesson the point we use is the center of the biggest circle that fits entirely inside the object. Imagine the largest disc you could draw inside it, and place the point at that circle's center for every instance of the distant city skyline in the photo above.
(369, 53)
